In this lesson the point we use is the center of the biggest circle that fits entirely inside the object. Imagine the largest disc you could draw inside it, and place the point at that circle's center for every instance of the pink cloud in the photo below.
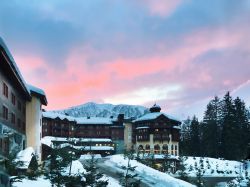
(81, 81)
(161, 7)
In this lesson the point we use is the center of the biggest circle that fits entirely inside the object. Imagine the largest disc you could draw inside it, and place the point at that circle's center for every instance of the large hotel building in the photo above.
(24, 124)
(20, 108)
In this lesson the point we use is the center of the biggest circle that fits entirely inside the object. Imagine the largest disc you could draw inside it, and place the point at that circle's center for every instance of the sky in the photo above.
(179, 54)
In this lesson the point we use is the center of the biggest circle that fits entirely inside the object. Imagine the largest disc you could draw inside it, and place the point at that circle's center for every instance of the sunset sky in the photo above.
(177, 53)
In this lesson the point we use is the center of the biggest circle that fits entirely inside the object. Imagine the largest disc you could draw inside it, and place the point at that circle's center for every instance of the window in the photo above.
(172, 149)
(5, 90)
(5, 112)
(24, 126)
(176, 150)
(19, 123)
(13, 99)
(165, 149)
(19, 106)
(13, 118)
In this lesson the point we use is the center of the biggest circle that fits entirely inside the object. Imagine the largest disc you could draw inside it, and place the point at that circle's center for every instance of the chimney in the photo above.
(121, 118)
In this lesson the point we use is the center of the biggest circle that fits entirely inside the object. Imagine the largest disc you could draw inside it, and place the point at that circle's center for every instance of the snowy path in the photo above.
(148, 176)
(113, 172)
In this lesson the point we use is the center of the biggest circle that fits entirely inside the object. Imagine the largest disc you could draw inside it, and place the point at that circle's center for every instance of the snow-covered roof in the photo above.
(177, 127)
(25, 157)
(54, 115)
(14, 67)
(47, 140)
(38, 91)
(94, 120)
(154, 115)
(79, 120)
(88, 148)
(145, 127)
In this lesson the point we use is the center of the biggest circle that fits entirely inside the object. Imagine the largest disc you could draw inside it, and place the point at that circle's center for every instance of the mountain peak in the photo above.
(104, 110)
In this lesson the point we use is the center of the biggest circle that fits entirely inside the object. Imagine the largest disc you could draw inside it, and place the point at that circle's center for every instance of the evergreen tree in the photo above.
(199, 182)
(185, 140)
(242, 123)
(211, 129)
(166, 165)
(195, 137)
(92, 176)
(128, 179)
(55, 167)
(33, 169)
(229, 136)
(183, 175)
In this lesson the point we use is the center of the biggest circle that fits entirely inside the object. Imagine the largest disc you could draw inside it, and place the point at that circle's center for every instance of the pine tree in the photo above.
(185, 140)
(242, 123)
(229, 136)
(33, 169)
(199, 182)
(211, 129)
(128, 179)
(183, 175)
(166, 165)
(92, 176)
(195, 137)
(55, 167)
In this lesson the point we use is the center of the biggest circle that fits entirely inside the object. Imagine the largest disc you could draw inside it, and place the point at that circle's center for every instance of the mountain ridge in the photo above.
(93, 109)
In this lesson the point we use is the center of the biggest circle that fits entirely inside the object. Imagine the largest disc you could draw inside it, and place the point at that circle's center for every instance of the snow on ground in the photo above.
(89, 156)
(25, 156)
(40, 182)
(161, 179)
(76, 168)
(214, 167)
(111, 181)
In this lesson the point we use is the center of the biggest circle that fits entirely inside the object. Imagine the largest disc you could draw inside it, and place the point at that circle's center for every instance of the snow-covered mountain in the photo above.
(104, 110)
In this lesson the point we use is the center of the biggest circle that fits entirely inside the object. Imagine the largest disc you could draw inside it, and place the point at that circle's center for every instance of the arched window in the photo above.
(147, 148)
(172, 149)
(176, 150)
(157, 149)
(140, 147)
(165, 149)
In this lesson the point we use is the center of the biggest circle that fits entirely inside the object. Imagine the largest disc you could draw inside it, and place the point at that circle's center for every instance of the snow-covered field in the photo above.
(214, 167)
(160, 179)
(210, 167)
(41, 182)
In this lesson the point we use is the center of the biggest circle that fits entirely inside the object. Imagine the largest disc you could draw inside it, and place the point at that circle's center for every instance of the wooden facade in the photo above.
(156, 133)
(58, 125)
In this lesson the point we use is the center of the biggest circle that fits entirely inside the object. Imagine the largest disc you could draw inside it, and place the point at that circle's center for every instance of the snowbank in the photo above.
(213, 167)
(40, 182)
(25, 156)
(161, 179)
(88, 157)
(76, 168)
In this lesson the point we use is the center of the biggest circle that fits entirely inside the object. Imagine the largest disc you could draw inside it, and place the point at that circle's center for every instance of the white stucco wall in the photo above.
(33, 125)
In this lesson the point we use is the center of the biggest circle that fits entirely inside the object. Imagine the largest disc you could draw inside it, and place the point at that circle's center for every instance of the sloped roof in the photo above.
(39, 92)
(80, 120)
(154, 115)
(54, 115)
(14, 67)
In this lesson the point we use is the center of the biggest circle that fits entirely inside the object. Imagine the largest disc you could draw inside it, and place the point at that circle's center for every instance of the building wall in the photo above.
(33, 124)
(171, 144)
(128, 136)
(13, 128)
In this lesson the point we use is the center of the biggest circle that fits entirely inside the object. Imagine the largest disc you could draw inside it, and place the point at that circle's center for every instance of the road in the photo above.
(148, 181)
(114, 173)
